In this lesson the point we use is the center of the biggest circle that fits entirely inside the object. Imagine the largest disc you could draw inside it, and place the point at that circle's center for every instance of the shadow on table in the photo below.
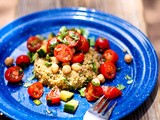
(141, 110)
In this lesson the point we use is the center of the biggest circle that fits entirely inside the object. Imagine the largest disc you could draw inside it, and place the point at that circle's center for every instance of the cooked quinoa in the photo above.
(73, 80)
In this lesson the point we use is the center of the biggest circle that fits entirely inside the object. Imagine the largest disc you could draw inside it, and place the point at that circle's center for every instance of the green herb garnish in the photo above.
(130, 81)
(81, 91)
(91, 41)
(48, 64)
(32, 56)
(121, 86)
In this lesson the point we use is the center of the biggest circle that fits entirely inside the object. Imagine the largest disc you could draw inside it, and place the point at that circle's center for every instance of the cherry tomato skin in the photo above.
(92, 92)
(73, 38)
(63, 52)
(111, 55)
(23, 61)
(108, 69)
(51, 44)
(102, 44)
(14, 74)
(83, 45)
(36, 90)
(53, 97)
(34, 43)
(77, 58)
(111, 92)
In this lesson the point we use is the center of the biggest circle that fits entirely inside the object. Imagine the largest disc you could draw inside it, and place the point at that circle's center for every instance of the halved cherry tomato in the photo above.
(23, 61)
(35, 90)
(111, 92)
(108, 69)
(101, 44)
(53, 97)
(93, 92)
(14, 74)
(83, 45)
(63, 52)
(110, 55)
(34, 43)
(77, 58)
(51, 44)
(73, 38)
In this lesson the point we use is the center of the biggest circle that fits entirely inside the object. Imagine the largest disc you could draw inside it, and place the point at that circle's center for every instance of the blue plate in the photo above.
(14, 99)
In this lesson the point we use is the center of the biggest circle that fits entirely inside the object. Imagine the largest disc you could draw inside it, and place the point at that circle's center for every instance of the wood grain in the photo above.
(129, 10)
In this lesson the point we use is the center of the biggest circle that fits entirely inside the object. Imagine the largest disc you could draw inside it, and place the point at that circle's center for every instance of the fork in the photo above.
(100, 110)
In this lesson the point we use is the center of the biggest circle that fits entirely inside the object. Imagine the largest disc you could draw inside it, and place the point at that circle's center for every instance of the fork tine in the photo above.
(105, 108)
(96, 103)
(101, 106)
(108, 113)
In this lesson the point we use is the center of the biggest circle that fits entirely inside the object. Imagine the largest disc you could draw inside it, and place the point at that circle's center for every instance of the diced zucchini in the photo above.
(42, 51)
(66, 95)
(71, 106)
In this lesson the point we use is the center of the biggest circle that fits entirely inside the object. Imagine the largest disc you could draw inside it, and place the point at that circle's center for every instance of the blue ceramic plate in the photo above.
(14, 100)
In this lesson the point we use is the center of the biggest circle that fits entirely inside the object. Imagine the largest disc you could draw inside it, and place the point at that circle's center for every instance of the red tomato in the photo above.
(110, 55)
(73, 38)
(83, 45)
(34, 43)
(63, 52)
(93, 92)
(77, 58)
(108, 69)
(35, 90)
(23, 61)
(51, 44)
(53, 97)
(14, 74)
(101, 44)
(111, 92)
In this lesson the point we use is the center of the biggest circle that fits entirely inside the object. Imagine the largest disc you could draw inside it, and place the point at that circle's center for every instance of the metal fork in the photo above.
(100, 110)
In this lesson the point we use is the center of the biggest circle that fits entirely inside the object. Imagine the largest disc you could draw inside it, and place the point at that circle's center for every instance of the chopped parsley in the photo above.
(48, 64)
(81, 91)
(121, 86)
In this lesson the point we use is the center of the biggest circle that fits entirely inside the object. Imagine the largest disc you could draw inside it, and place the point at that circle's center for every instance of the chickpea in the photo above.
(54, 68)
(101, 78)
(96, 81)
(128, 58)
(76, 66)
(54, 60)
(9, 61)
(66, 69)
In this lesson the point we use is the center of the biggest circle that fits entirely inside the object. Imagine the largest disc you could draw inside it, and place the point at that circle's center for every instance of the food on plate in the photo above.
(71, 106)
(67, 76)
(108, 69)
(101, 44)
(64, 62)
(66, 95)
(9, 61)
(14, 74)
(128, 58)
(34, 43)
(23, 61)
(53, 97)
(110, 55)
(36, 90)
(111, 92)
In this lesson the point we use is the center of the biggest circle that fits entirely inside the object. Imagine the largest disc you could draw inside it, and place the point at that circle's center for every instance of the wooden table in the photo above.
(130, 10)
